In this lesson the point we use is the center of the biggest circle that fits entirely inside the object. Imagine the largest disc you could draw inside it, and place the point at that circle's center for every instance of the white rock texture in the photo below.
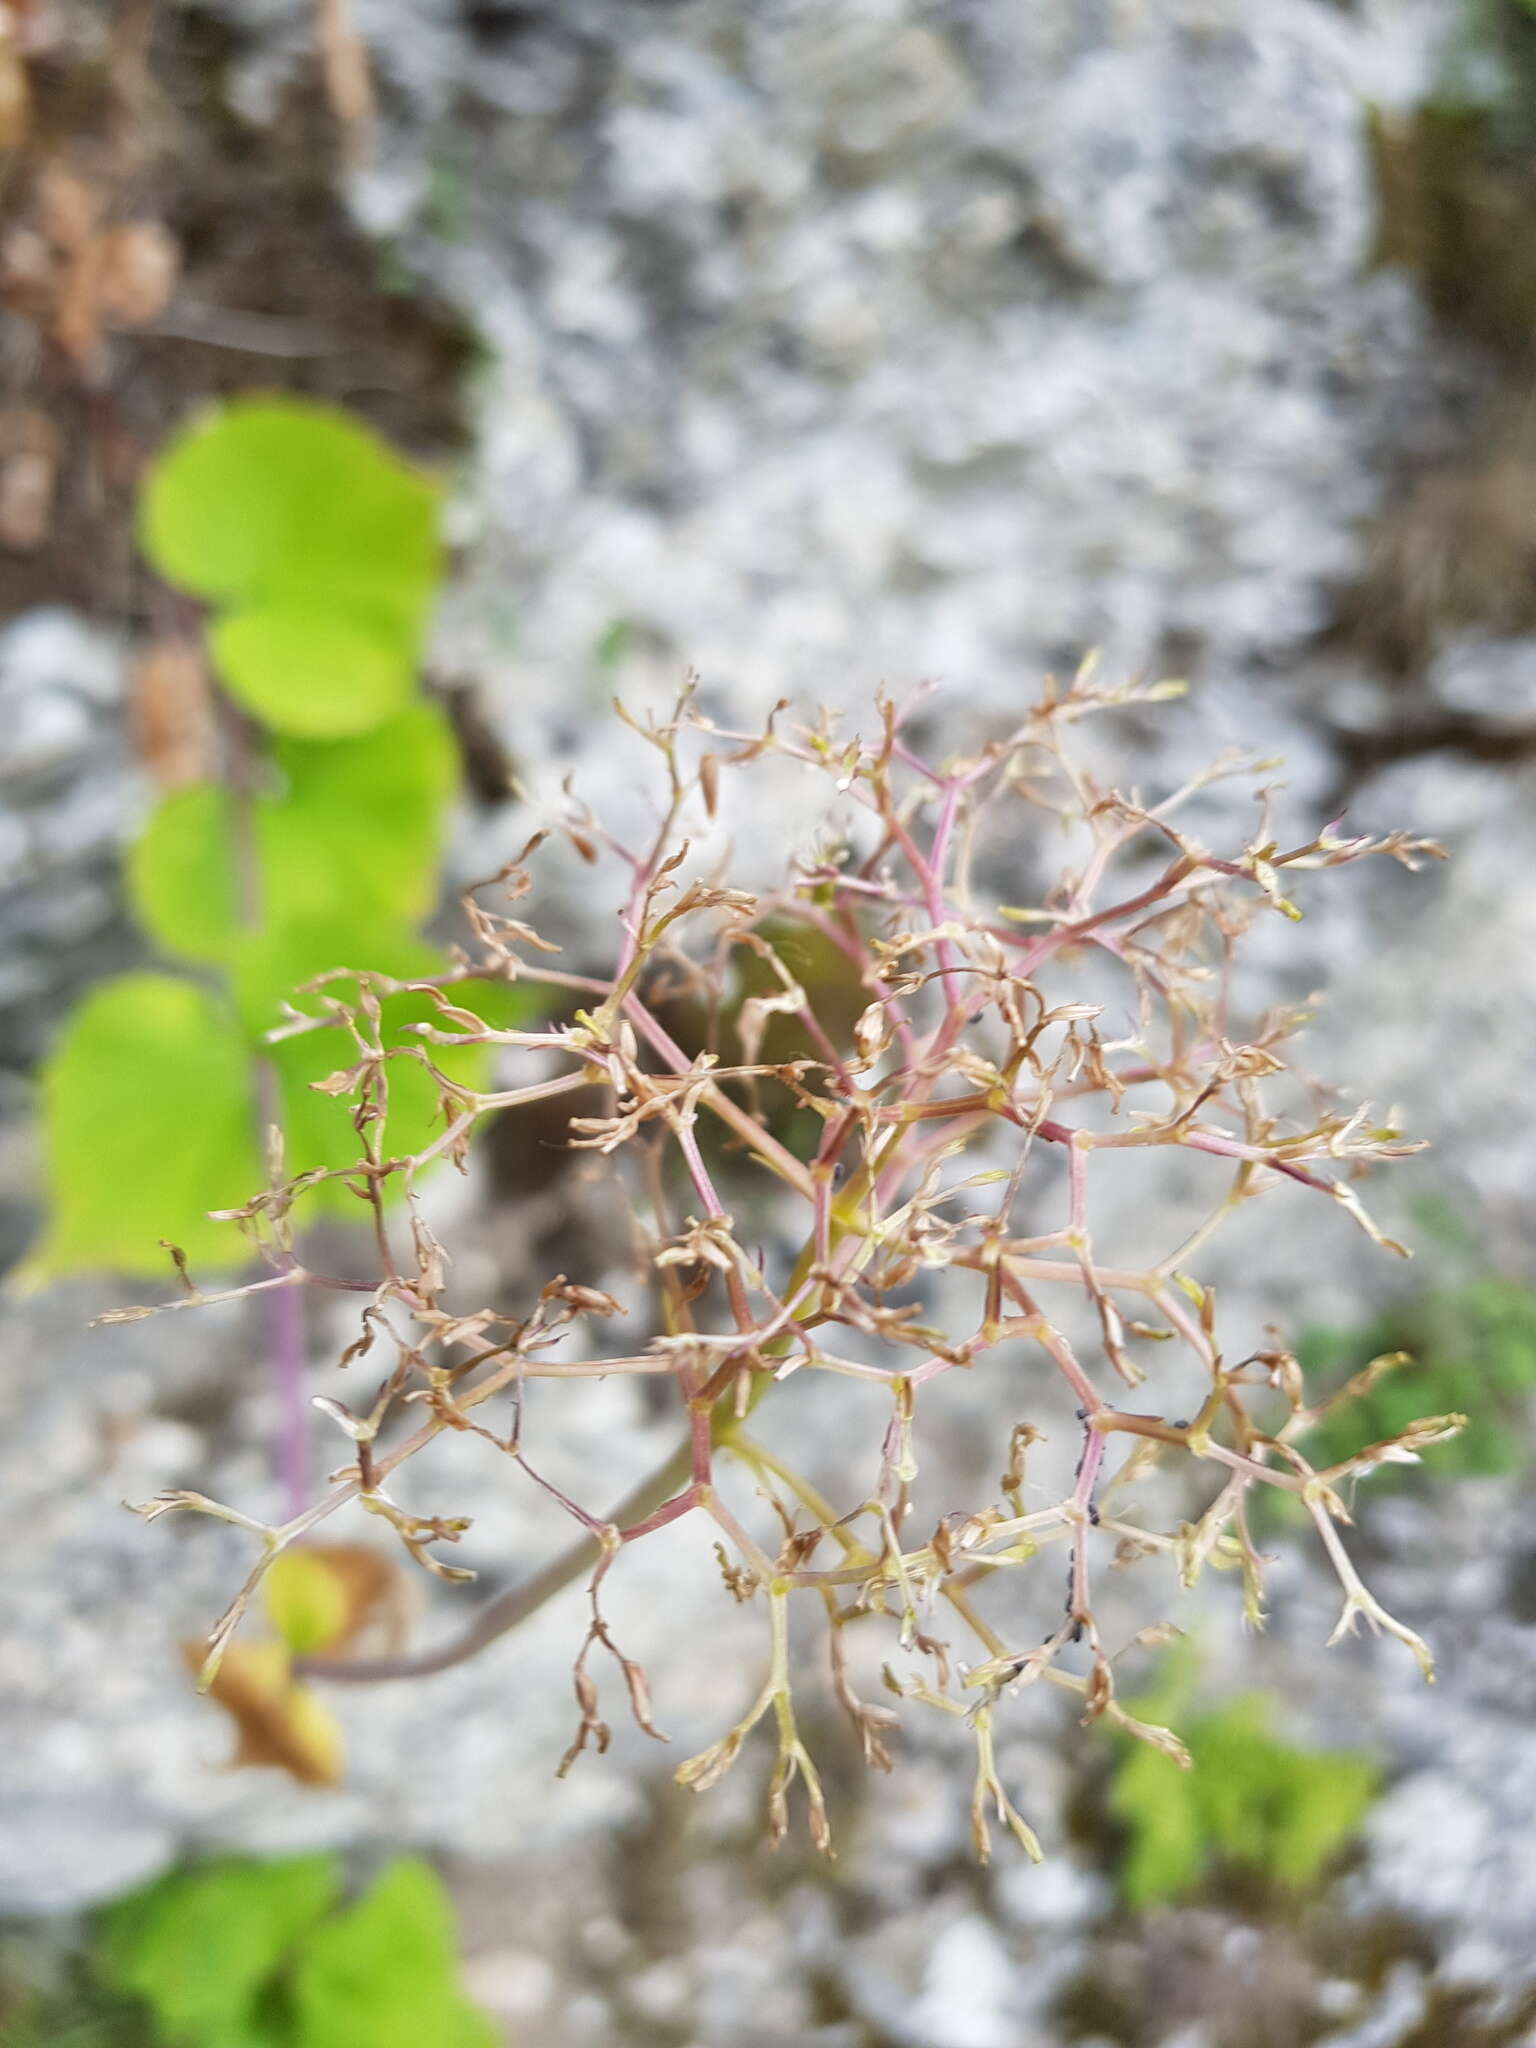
(826, 347)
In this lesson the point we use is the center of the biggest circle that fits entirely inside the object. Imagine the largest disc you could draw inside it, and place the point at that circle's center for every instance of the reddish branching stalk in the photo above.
(977, 1062)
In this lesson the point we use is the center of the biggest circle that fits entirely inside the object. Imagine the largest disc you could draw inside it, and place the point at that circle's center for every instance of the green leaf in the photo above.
(370, 809)
(147, 1125)
(1247, 1783)
(200, 1945)
(272, 492)
(1324, 1806)
(1167, 1849)
(1283, 1813)
(354, 829)
(316, 669)
(270, 967)
(319, 547)
(306, 1602)
(181, 874)
(1472, 1350)
(317, 1128)
(384, 1973)
(1249, 1801)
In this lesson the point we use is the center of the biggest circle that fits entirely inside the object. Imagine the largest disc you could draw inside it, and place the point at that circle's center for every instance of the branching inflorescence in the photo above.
(971, 1069)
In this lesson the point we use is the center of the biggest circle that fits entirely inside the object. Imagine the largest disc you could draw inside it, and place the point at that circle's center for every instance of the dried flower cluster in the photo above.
(971, 1072)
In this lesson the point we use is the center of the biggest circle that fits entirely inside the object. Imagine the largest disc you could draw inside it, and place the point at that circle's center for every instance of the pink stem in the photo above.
(1082, 1497)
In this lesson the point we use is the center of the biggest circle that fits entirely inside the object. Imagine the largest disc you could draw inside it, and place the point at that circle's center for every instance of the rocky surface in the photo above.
(932, 342)
(68, 799)
(826, 348)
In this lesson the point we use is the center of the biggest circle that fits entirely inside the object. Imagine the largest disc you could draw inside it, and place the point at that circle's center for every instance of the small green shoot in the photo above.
(1470, 1349)
(1249, 1803)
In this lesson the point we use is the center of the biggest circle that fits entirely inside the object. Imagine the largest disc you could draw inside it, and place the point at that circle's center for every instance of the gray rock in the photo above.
(1491, 679)
(1399, 2008)
(827, 348)
(68, 796)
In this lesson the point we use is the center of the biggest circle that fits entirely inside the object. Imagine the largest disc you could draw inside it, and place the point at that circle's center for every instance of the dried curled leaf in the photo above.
(280, 1723)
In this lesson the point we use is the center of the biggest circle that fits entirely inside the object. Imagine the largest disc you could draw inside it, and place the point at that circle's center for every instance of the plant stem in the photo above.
(511, 1607)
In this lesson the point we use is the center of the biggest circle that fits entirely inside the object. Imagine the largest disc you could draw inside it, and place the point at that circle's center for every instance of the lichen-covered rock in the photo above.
(833, 347)
(826, 347)
(67, 803)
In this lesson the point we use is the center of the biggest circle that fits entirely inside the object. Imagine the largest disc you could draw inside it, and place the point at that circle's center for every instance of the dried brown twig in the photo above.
(977, 1066)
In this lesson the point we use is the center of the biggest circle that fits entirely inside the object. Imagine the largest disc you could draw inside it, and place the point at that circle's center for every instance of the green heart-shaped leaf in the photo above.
(353, 828)
(149, 1123)
(320, 549)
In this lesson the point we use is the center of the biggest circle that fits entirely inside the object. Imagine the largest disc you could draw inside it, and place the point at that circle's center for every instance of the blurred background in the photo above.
(815, 345)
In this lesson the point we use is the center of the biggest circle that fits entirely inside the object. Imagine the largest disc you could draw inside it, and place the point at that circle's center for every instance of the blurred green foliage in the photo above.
(244, 1954)
(317, 550)
(306, 1601)
(1252, 1804)
(383, 1973)
(1455, 176)
(1249, 1803)
(612, 644)
(146, 1115)
(200, 1947)
(1471, 1349)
